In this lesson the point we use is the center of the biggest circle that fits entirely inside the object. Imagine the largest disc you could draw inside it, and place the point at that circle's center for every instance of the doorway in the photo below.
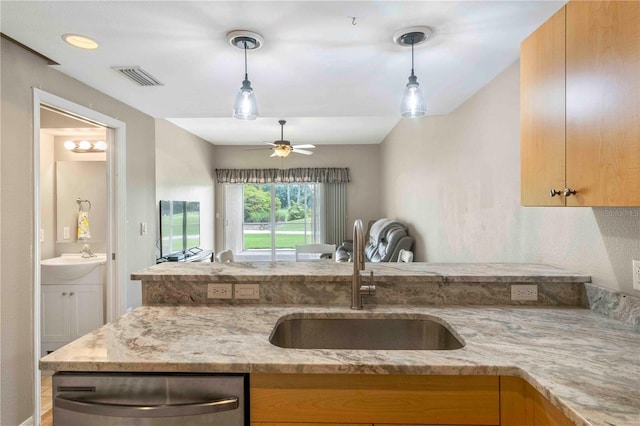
(53, 233)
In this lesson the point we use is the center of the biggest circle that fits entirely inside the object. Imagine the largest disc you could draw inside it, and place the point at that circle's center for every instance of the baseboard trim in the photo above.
(28, 422)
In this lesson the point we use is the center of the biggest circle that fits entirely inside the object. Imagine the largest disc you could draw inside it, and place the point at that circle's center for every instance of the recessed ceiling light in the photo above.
(80, 41)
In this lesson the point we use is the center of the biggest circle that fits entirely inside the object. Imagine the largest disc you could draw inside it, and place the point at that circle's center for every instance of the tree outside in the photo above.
(293, 216)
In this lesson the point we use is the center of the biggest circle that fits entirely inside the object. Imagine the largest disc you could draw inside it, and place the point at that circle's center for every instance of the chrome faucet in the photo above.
(357, 289)
(86, 251)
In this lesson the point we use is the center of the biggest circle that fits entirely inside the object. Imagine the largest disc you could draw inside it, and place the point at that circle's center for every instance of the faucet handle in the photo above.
(368, 289)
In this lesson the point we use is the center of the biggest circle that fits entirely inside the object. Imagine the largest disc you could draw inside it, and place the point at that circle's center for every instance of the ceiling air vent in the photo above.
(138, 75)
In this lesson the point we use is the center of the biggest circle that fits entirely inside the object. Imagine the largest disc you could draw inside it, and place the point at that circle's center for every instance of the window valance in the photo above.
(308, 174)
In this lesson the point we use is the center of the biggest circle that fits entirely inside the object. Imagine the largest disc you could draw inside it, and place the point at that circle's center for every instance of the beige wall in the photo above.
(47, 195)
(363, 192)
(21, 71)
(185, 171)
(456, 180)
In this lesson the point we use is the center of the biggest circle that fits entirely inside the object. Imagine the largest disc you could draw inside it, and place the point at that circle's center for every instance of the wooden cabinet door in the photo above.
(522, 405)
(374, 399)
(312, 424)
(542, 113)
(603, 103)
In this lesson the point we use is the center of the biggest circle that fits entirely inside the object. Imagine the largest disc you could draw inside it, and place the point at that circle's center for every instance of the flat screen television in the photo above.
(179, 227)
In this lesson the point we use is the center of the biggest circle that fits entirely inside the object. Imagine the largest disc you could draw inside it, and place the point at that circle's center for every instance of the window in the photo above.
(267, 221)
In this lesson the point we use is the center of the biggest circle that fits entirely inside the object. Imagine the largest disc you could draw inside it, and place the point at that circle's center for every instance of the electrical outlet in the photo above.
(219, 291)
(528, 292)
(247, 291)
(636, 274)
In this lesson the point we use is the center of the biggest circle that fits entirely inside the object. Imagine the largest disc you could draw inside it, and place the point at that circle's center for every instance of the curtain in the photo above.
(334, 222)
(298, 175)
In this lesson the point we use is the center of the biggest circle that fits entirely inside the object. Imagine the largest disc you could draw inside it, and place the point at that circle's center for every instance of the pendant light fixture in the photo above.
(245, 106)
(413, 101)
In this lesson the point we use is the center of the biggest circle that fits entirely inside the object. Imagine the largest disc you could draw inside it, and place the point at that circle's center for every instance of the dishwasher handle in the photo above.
(146, 411)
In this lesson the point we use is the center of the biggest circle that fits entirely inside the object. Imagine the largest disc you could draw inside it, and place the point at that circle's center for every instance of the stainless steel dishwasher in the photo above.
(141, 399)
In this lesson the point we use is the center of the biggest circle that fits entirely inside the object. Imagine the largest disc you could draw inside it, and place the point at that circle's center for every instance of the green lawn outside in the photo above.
(263, 241)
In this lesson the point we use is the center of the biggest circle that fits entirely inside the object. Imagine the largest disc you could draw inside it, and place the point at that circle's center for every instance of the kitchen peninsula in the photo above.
(585, 365)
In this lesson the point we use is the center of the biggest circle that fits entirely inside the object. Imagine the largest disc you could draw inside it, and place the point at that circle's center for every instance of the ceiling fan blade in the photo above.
(273, 155)
(271, 143)
(302, 151)
(256, 149)
(304, 146)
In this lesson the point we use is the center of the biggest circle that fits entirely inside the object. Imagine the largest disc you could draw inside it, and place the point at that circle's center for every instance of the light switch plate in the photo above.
(636, 274)
(524, 292)
(247, 291)
(66, 233)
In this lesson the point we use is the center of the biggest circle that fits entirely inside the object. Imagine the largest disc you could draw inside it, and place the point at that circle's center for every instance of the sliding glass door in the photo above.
(267, 221)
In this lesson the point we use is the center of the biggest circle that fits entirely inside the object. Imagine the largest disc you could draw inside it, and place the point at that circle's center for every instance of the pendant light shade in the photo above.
(413, 101)
(245, 106)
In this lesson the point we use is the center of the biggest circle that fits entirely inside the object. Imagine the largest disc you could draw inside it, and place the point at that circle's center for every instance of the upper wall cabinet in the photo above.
(580, 107)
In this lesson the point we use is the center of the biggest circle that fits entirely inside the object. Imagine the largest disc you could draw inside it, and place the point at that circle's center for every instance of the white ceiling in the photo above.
(334, 82)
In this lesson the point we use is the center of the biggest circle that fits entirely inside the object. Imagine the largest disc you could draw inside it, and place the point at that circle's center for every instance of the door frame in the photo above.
(115, 289)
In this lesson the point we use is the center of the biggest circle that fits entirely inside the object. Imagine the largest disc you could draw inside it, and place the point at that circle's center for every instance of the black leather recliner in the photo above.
(384, 240)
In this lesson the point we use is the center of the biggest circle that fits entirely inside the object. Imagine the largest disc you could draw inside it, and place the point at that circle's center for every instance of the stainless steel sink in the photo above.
(387, 333)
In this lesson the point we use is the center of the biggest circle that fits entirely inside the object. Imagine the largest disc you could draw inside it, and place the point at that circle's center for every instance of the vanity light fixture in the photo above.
(245, 106)
(83, 42)
(413, 101)
(84, 146)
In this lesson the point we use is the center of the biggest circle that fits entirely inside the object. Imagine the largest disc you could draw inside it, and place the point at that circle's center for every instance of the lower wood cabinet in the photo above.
(393, 400)
(279, 399)
(522, 405)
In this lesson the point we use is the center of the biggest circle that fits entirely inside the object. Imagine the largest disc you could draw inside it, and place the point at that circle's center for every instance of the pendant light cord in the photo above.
(412, 43)
(246, 75)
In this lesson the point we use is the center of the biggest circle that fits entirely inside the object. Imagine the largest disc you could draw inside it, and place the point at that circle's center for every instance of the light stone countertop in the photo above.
(332, 271)
(586, 365)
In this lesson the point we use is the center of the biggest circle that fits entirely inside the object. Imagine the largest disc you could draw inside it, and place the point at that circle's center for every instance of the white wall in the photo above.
(185, 171)
(20, 72)
(456, 180)
(363, 161)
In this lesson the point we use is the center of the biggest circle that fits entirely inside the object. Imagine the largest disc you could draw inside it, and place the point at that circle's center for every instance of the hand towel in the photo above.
(83, 225)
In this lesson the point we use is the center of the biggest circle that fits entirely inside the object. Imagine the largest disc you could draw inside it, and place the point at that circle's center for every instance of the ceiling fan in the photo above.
(283, 148)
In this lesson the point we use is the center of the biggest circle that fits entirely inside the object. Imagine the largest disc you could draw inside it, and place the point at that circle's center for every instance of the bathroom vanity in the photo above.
(556, 364)
(72, 298)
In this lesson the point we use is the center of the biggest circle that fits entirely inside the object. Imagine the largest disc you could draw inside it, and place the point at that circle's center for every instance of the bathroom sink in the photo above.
(384, 333)
(72, 267)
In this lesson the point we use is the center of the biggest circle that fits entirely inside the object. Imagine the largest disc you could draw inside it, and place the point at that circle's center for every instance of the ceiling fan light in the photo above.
(245, 107)
(413, 101)
(282, 150)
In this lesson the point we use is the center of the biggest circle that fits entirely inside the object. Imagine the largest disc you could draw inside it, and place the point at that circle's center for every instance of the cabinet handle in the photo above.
(568, 192)
(64, 294)
(553, 192)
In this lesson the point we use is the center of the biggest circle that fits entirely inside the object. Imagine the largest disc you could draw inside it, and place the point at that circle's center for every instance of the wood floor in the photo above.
(46, 407)
(47, 418)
